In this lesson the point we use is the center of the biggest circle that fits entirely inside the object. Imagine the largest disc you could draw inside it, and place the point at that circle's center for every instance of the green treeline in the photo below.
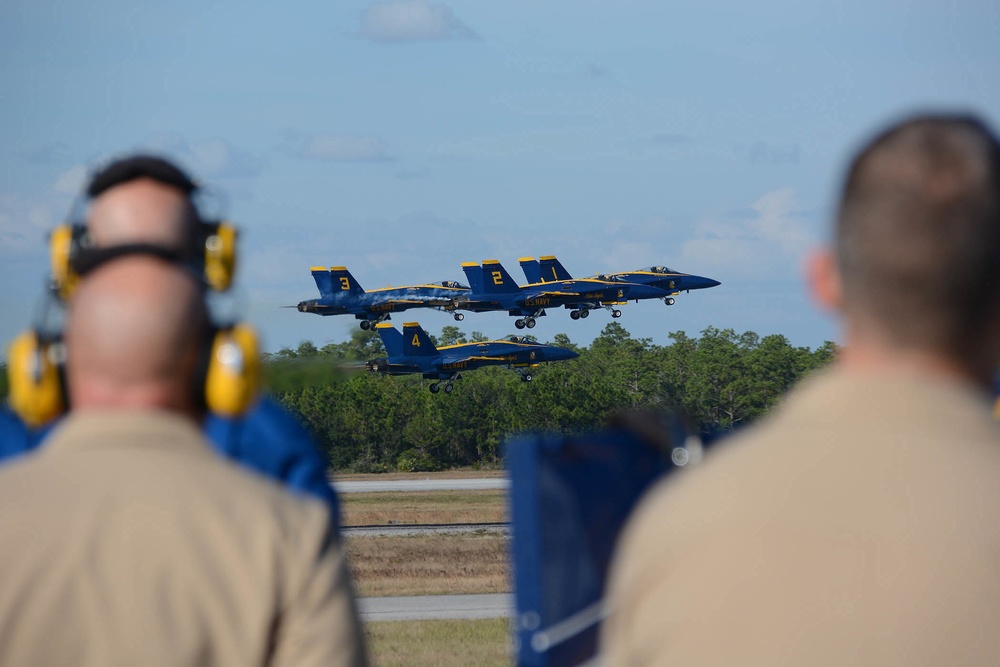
(368, 422)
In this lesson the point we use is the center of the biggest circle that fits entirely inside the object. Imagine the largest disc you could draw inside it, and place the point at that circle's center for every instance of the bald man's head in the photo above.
(142, 210)
(133, 335)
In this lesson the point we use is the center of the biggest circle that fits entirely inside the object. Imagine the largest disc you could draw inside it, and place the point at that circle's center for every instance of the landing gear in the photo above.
(584, 314)
(616, 313)
(448, 387)
(526, 377)
(526, 322)
(669, 301)
(435, 388)
(459, 317)
(519, 324)
(574, 314)
(365, 325)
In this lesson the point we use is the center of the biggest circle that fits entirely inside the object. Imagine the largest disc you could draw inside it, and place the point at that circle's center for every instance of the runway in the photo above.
(436, 607)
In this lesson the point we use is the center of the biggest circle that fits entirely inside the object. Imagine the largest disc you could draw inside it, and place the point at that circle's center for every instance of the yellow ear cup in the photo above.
(220, 257)
(233, 375)
(60, 248)
(36, 393)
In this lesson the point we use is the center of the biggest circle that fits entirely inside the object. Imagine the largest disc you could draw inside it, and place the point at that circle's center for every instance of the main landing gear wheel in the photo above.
(519, 324)
(584, 314)
(526, 377)
(616, 313)
(668, 301)
(435, 388)
(574, 314)
(459, 317)
(448, 387)
(366, 325)
(530, 323)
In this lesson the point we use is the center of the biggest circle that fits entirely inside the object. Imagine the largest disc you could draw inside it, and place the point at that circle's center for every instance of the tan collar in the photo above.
(102, 429)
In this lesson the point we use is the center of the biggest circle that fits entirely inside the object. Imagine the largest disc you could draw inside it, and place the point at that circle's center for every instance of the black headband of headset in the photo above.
(89, 259)
(140, 166)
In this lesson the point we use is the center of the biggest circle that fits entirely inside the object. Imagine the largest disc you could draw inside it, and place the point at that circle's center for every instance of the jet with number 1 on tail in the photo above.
(340, 294)
(493, 289)
(549, 269)
(413, 351)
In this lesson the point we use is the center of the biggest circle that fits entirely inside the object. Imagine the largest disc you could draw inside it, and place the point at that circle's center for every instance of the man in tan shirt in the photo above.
(857, 524)
(124, 540)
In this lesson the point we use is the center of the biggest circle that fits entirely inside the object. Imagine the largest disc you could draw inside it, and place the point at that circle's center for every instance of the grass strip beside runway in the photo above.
(429, 565)
(440, 643)
(423, 507)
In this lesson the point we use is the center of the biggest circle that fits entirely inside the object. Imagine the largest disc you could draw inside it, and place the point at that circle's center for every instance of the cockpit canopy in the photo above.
(454, 284)
(658, 269)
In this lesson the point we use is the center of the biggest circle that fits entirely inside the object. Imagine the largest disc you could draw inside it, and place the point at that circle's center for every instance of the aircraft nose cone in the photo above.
(699, 282)
(562, 354)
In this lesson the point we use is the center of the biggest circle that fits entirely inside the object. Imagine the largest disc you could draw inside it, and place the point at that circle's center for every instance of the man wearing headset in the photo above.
(143, 204)
(127, 540)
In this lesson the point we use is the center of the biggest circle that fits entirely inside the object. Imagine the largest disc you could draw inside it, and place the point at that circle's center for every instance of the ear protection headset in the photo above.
(228, 376)
(212, 249)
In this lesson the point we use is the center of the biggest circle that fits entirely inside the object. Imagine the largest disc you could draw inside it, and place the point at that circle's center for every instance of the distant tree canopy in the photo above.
(367, 422)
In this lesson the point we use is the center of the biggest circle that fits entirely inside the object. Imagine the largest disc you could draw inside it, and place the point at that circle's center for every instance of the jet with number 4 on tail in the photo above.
(493, 289)
(548, 269)
(340, 294)
(413, 351)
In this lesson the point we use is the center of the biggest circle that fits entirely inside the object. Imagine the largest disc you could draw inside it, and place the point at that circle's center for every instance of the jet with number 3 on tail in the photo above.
(413, 351)
(548, 269)
(493, 289)
(340, 294)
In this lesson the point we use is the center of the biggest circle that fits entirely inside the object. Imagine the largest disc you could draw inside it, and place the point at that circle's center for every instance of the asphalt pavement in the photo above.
(476, 484)
(436, 607)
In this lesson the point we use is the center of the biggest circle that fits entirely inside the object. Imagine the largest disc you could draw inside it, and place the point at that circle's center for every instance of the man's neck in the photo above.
(867, 355)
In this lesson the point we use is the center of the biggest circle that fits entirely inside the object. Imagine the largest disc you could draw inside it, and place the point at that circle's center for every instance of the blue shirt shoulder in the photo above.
(269, 440)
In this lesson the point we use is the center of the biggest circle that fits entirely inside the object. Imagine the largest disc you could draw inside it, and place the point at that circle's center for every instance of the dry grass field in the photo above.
(439, 643)
(368, 509)
(434, 565)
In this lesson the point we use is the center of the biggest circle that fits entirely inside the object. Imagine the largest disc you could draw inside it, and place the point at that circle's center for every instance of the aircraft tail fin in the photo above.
(496, 279)
(475, 275)
(343, 281)
(416, 342)
(323, 280)
(392, 340)
(552, 270)
(529, 266)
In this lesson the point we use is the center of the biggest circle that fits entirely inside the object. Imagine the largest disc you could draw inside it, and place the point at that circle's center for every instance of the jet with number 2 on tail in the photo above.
(493, 289)
(413, 351)
(340, 294)
(548, 269)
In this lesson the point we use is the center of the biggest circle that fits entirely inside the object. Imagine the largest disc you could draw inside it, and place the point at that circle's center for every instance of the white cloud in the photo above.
(344, 148)
(410, 21)
(769, 243)
(24, 225)
(71, 181)
(206, 159)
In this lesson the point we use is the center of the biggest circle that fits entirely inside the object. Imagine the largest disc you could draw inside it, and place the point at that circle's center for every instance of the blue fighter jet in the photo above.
(549, 269)
(340, 294)
(493, 289)
(413, 352)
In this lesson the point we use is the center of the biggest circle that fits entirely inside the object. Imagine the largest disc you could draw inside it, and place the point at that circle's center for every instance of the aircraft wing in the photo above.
(554, 294)
(429, 301)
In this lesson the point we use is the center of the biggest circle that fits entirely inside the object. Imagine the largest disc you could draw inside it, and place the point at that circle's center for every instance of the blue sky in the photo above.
(401, 138)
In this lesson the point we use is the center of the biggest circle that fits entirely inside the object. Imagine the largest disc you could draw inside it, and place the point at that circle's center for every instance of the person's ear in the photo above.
(823, 279)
